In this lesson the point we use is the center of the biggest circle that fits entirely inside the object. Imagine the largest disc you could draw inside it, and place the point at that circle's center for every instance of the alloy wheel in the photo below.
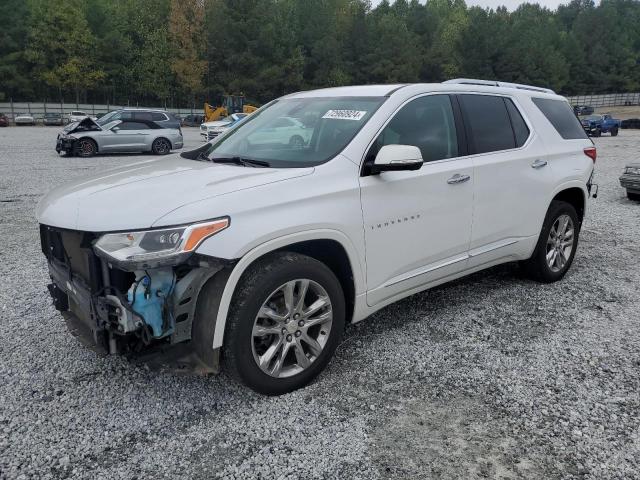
(162, 147)
(560, 243)
(85, 147)
(291, 328)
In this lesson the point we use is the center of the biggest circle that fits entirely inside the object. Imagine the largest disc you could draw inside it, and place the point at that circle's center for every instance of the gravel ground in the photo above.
(491, 376)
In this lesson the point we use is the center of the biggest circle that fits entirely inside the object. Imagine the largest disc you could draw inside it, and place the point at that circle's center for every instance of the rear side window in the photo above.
(487, 123)
(158, 117)
(562, 117)
(133, 126)
(520, 129)
(142, 116)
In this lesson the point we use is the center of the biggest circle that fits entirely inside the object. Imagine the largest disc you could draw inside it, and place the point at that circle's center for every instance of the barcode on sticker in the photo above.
(345, 114)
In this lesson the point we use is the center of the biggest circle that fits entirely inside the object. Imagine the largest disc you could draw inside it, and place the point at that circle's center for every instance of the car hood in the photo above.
(84, 125)
(136, 196)
(217, 123)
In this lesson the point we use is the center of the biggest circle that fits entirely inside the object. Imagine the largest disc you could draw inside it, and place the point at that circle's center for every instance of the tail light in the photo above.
(591, 153)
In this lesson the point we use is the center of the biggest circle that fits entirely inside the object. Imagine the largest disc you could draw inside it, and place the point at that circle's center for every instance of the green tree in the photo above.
(60, 45)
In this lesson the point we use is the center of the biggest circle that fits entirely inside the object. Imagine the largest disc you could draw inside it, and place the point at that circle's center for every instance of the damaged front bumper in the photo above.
(147, 314)
(65, 144)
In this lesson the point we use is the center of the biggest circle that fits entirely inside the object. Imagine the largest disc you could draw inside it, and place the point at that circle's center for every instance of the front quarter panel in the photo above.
(322, 205)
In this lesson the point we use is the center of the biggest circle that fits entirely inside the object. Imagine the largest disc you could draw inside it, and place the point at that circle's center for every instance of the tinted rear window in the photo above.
(488, 123)
(142, 116)
(561, 116)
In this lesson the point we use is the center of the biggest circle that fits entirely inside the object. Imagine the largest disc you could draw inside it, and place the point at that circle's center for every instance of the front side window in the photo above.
(427, 123)
(487, 122)
(296, 132)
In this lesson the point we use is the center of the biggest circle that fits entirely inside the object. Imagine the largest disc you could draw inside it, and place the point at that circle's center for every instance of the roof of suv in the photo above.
(140, 109)
(462, 85)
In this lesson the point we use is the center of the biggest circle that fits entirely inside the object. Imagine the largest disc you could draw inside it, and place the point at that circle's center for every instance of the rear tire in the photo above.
(273, 345)
(614, 132)
(633, 196)
(85, 147)
(161, 146)
(556, 245)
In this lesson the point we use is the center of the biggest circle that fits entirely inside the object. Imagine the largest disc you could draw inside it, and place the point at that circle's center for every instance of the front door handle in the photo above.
(539, 164)
(457, 178)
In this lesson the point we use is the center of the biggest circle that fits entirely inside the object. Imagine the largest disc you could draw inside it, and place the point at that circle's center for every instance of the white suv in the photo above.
(253, 254)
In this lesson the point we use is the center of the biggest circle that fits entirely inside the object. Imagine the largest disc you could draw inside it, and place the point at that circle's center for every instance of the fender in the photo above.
(581, 184)
(559, 188)
(275, 244)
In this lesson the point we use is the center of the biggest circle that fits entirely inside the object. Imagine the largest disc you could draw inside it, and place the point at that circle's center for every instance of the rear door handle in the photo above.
(457, 178)
(539, 164)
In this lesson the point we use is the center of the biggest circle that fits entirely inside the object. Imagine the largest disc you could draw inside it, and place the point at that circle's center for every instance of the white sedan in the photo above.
(24, 119)
(210, 130)
(76, 116)
(284, 130)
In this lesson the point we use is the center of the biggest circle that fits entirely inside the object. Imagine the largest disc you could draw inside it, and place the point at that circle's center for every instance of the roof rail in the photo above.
(493, 83)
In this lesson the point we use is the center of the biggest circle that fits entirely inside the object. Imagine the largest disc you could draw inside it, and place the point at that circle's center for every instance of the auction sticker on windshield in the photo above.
(345, 114)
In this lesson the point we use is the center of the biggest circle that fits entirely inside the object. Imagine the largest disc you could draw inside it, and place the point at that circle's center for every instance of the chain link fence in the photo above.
(606, 100)
(39, 109)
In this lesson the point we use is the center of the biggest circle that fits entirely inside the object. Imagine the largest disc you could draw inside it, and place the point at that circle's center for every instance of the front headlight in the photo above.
(632, 170)
(147, 248)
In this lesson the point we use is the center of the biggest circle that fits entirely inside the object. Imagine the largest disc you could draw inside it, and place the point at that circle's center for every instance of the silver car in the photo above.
(87, 138)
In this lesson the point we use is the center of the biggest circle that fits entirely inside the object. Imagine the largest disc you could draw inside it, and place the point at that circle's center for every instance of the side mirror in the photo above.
(394, 158)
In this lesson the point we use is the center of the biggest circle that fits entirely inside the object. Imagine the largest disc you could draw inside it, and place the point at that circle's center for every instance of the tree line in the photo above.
(180, 52)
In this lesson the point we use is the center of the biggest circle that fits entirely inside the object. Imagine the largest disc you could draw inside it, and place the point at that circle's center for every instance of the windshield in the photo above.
(296, 132)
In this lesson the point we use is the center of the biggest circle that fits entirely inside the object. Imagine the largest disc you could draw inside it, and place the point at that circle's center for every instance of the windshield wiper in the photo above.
(245, 162)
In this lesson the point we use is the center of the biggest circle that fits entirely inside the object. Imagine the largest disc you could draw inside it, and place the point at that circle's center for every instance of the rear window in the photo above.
(488, 123)
(561, 116)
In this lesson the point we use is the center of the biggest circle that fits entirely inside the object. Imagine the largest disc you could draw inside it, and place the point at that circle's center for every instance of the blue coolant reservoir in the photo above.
(148, 297)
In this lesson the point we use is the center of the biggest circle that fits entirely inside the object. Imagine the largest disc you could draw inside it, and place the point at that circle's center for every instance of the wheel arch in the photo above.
(331, 247)
(95, 142)
(161, 138)
(575, 196)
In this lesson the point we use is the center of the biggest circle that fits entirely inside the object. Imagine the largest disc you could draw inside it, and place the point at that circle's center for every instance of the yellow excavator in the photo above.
(229, 104)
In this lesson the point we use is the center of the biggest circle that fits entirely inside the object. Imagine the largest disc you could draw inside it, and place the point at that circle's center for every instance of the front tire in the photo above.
(614, 132)
(556, 245)
(86, 148)
(285, 322)
(597, 132)
(161, 146)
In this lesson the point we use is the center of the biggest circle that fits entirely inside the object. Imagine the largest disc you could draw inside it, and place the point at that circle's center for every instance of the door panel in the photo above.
(417, 223)
(417, 226)
(512, 183)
